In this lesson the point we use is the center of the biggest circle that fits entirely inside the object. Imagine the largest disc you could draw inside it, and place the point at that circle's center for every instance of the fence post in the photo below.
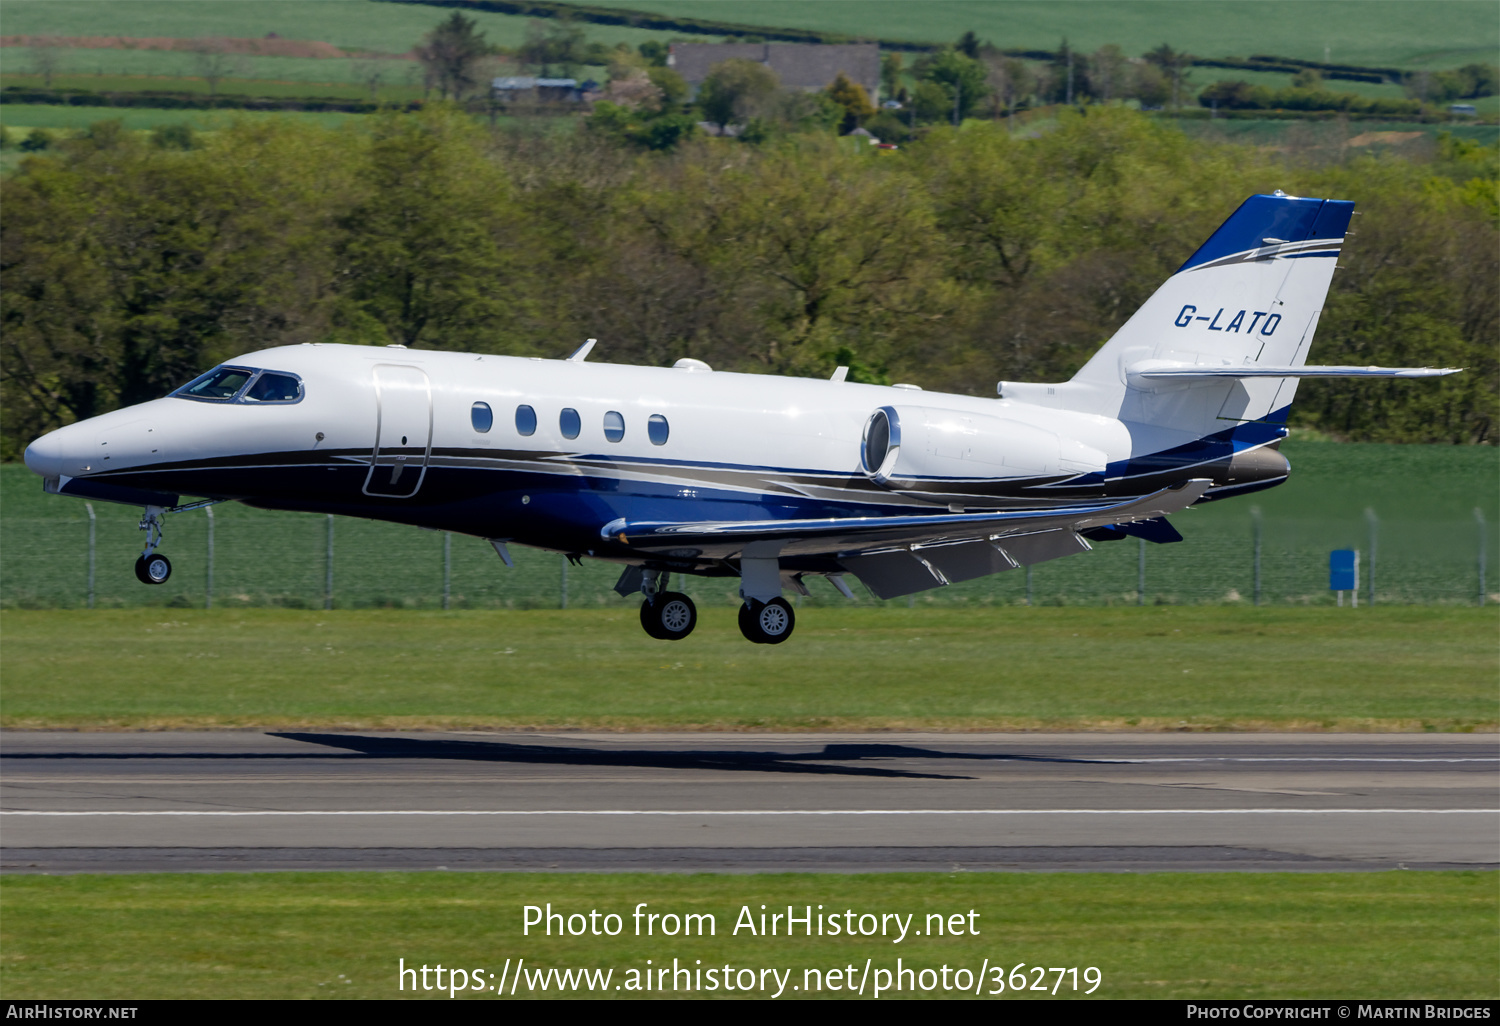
(1255, 532)
(328, 568)
(90, 507)
(1140, 575)
(447, 565)
(1479, 519)
(1374, 523)
(562, 586)
(208, 575)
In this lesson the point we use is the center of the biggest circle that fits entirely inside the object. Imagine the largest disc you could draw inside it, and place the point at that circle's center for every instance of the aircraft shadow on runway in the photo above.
(832, 759)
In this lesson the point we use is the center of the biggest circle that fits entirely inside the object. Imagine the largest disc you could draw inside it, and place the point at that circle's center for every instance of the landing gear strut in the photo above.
(767, 623)
(151, 567)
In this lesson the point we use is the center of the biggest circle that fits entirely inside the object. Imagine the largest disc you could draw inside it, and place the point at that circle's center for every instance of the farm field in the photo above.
(340, 935)
(1431, 34)
(104, 69)
(356, 25)
(1158, 668)
(1334, 135)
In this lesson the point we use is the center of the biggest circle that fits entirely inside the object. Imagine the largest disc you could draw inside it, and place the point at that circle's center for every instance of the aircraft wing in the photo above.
(852, 536)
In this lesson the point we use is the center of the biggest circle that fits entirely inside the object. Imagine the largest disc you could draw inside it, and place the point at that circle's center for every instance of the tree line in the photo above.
(129, 265)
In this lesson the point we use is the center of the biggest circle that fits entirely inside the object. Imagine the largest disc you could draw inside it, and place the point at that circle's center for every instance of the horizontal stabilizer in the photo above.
(1160, 369)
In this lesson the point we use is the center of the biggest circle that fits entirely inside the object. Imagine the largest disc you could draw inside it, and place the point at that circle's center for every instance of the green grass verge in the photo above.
(340, 935)
(21, 117)
(1152, 668)
(327, 79)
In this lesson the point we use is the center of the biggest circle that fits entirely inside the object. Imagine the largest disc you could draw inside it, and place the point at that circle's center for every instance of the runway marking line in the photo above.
(741, 812)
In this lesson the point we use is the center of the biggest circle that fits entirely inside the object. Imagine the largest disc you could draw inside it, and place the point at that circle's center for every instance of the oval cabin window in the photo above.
(525, 420)
(569, 423)
(482, 417)
(614, 426)
(657, 429)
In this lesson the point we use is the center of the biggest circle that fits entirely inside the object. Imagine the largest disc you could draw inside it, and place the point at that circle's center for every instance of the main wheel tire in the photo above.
(649, 622)
(747, 622)
(153, 569)
(775, 621)
(669, 616)
(675, 616)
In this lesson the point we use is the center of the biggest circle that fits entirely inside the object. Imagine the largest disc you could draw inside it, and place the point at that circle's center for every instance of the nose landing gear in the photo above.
(151, 567)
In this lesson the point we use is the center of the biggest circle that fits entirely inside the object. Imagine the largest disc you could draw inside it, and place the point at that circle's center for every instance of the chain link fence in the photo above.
(83, 555)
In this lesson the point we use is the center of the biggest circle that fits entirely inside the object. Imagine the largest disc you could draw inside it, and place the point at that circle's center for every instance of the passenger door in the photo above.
(403, 433)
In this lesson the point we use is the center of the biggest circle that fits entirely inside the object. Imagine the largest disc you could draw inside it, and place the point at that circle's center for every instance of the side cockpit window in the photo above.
(271, 387)
(243, 385)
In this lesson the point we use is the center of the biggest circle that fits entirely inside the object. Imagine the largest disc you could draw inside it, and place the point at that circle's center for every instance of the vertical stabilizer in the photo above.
(1250, 296)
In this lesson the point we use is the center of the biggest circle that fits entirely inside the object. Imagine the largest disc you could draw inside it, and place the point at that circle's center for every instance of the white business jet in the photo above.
(769, 479)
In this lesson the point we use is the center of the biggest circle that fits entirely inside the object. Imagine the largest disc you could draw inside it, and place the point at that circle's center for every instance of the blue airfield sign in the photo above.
(1343, 573)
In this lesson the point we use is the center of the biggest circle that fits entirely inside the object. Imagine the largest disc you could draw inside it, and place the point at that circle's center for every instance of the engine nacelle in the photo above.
(911, 443)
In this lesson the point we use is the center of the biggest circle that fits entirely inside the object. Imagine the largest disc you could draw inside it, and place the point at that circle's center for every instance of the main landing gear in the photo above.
(152, 567)
(767, 623)
(665, 615)
(765, 618)
(669, 616)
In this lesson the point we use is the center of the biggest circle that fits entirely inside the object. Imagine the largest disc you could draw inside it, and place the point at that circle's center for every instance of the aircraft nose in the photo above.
(46, 455)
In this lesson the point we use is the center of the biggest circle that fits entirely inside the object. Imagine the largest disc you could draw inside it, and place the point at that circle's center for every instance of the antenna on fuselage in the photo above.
(582, 352)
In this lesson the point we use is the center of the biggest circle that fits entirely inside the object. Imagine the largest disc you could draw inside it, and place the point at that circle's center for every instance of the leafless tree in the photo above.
(372, 73)
(46, 60)
(215, 61)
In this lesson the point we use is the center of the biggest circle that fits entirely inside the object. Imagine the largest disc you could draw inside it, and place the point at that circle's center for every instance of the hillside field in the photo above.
(1397, 33)
(1431, 34)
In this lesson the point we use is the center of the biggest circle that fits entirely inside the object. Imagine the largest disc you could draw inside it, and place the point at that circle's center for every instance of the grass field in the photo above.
(97, 68)
(22, 116)
(340, 935)
(360, 25)
(1159, 668)
(1332, 136)
(1433, 33)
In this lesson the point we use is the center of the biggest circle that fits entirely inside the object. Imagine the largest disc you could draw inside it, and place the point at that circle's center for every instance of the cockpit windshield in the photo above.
(243, 385)
(219, 383)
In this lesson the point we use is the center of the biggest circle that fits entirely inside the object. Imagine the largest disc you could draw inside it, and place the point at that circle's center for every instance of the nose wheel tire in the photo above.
(767, 623)
(153, 569)
(669, 616)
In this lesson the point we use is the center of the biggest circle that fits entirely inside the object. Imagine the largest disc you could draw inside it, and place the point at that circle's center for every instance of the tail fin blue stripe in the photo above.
(1286, 218)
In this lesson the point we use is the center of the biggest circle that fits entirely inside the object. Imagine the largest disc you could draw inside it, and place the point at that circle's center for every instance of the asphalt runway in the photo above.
(136, 802)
